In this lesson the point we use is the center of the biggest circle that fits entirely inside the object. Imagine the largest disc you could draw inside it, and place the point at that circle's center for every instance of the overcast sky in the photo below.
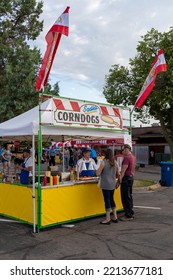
(101, 33)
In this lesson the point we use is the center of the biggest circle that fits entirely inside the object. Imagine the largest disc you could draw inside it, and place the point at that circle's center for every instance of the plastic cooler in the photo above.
(167, 173)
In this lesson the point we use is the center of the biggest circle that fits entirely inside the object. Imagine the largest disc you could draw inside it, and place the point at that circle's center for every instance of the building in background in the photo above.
(150, 145)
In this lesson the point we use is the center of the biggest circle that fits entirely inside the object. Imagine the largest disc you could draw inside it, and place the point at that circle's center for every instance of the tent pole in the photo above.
(131, 112)
(33, 183)
(39, 164)
(63, 166)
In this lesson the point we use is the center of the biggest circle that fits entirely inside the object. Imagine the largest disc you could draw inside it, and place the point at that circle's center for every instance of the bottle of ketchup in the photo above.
(54, 180)
(45, 181)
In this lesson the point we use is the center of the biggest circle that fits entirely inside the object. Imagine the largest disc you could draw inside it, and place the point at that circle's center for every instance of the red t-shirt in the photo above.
(129, 160)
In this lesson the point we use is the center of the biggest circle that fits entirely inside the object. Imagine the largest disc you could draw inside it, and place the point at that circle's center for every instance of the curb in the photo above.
(154, 187)
(149, 188)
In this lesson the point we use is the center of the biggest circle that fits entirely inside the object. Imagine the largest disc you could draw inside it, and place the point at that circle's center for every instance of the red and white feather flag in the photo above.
(61, 26)
(159, 65)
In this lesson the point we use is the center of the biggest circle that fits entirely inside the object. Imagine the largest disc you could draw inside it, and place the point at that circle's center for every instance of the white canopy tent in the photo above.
(26, 125)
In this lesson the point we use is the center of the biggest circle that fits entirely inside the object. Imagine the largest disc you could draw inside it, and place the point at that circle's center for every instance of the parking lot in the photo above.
(148, 236)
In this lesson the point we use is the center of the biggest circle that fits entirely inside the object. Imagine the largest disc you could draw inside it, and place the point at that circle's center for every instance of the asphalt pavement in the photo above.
(149, 236)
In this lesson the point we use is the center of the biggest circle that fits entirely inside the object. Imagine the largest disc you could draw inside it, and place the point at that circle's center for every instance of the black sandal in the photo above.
(114, 221)
(107, 223)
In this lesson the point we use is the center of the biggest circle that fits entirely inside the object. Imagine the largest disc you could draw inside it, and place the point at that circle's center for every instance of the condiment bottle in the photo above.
(54, 180)
(57, 179)
(51, 181)
(45, 181)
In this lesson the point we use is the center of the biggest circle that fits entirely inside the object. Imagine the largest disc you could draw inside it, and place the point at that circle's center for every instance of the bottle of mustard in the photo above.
(57, 179)
(51, 180)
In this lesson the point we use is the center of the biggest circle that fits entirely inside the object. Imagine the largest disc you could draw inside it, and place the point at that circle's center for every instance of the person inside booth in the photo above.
(86, 166)
(26, 167)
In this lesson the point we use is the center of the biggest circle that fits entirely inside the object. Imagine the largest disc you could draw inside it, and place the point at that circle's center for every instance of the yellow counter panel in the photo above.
(74, 202)
(16, 201)
(59, 204)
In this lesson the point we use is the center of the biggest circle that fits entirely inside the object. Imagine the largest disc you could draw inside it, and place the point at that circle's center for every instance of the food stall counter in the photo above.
(72, 201)
(64, 203)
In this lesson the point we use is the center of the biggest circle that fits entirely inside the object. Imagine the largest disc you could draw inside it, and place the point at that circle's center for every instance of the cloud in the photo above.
(102, 33)
(93, 6)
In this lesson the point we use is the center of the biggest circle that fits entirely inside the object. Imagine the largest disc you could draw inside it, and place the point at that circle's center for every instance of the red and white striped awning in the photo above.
(63, 144)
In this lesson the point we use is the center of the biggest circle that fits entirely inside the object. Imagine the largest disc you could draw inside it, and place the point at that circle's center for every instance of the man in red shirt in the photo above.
(126, 180)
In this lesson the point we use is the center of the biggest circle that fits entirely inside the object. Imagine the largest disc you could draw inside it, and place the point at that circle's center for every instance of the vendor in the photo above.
(86, 166)
(17, 163)
(26, 167)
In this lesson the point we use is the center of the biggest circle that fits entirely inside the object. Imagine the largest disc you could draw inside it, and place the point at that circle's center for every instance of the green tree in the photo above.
(122, 85)
(52, 92)
(19, 62)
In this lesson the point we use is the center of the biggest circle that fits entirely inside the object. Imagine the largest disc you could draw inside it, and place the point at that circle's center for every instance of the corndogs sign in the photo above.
(79, 113)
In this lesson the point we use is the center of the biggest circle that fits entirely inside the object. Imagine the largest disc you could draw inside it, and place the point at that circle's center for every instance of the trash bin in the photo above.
(166, 173)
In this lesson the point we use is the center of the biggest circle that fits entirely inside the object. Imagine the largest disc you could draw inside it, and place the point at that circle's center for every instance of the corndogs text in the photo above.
(76, 117)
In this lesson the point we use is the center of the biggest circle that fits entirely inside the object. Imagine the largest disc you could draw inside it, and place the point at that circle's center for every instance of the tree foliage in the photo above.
(19, 62)
(52, 91)
(122, 85)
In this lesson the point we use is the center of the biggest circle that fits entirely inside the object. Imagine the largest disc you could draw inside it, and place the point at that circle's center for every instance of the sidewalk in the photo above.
(155, 169)
(149, 172)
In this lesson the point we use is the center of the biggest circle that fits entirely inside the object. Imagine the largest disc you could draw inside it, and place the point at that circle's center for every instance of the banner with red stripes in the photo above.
(83, 113)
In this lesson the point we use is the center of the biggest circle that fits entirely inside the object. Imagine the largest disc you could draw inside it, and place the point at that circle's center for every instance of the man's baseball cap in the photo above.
(86, 150)
(27, 151)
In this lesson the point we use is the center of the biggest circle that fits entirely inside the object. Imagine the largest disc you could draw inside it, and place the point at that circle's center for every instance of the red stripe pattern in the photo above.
(59, 104)
(75, 106)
